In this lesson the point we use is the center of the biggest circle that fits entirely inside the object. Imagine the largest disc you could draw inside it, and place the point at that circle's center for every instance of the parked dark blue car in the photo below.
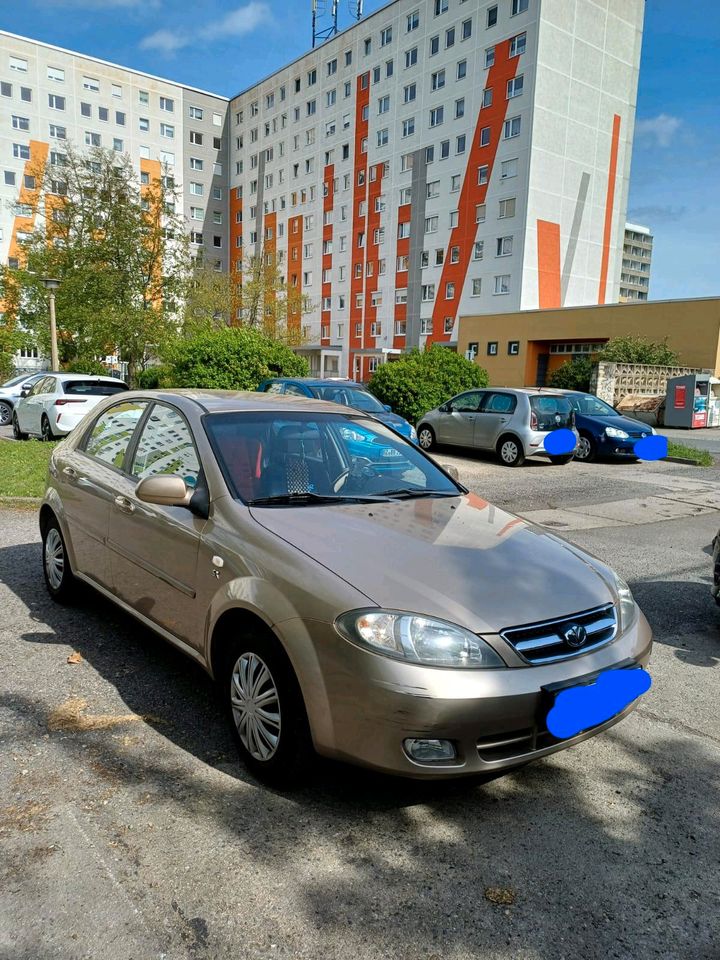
(347, 392)
(603, 431)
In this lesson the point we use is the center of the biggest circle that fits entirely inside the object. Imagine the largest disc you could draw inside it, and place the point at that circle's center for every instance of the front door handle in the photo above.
(70, 473)
(122, 503)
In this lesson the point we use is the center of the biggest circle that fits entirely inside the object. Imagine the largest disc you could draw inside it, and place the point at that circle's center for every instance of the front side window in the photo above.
(166, 447)
(110, 437)
(467, 402)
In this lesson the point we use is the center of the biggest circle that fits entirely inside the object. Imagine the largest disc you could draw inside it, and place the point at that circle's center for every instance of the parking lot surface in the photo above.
(129, 829)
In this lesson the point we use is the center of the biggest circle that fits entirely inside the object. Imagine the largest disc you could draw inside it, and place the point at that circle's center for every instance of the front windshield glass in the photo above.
(350, 397)
(288, 457)
(15, 380)
(592, 406)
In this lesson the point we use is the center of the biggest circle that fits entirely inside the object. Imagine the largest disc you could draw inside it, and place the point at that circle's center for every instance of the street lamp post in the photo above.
(51, 286)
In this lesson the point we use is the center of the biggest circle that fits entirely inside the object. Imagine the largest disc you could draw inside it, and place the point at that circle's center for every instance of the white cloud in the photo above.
(237, 23)
(661, 129)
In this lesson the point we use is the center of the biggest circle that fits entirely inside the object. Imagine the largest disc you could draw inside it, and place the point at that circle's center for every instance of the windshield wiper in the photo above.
(407, 494)
(286, 499)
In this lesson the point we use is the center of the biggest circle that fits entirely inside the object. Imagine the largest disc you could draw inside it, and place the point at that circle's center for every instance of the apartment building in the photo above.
(636, 264)
(51, 97)
(439, 158)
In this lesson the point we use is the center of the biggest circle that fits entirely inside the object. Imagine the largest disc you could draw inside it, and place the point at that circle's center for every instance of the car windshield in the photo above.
(351, 397)
(280, 458)
(93, 388)
(592, 406)
(23, 378)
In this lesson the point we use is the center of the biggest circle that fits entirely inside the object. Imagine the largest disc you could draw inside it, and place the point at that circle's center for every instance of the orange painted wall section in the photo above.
(359, 221)
(236, 230)
(548, 245)
(34, 167)
(473, 193)
(294, 267)
(327, 235)
(609, 207)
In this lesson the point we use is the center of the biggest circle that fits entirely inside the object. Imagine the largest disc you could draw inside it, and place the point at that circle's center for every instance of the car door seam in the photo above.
(151, 569)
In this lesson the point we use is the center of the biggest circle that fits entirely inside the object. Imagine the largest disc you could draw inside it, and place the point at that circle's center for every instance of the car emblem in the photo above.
(575, 636)
(558, 418)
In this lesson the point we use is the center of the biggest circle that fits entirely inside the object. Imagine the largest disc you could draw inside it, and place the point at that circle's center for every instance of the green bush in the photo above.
(233, 358)
(573, 375)
(90, 366)
(418, 382)
(638, 350)
(153, 378)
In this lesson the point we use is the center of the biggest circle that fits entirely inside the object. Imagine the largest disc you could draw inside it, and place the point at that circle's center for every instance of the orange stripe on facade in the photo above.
(473, 193)
(548, 244)
(609, 207)
(28, 196)
(269, 249)
(327, 258)
(359, 221)
(372, 262)
(236, 232)
(401, 278)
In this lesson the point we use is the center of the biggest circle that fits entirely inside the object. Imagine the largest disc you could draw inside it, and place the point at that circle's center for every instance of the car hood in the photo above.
(460, 559)
(619, 422)
(395, 421)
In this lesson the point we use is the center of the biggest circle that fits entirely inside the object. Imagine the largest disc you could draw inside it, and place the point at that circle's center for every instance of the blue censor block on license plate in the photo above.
(580, 708)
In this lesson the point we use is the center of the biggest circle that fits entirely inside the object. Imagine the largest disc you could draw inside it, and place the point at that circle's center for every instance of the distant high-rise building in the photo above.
(438, 158)
(636, 263)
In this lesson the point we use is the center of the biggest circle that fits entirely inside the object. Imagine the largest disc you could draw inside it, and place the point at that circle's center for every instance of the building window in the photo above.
(506, 208)
(476, 287)
(492, 16)
(55, 102)
(518, 44)
(411, 57)
(511, 128)
(515, 87)
(166, 130)
(408, 127)
(434, 45)
(385, 36)
(437, 115)
(410, 92)
(503, 246)
(444, 149)
(492, 348)
(428, 292)
(197, 189)
(454, 219)
(483, 174)
(18, 64)
(21, 123)
(460, 108)
(513, 348)
(502, 284)
(167, 104)
(478, 249)
(461, 69)
(450, 291)
(21, 151)
(196, 138)
(519, 6)
(489, 57)
(480, 213)
(426, 325)
(431, 224)
(466, 30)
(384, 104)
(56, 73)
(508, 169)
(413, 21)
(487, 97)
(196, 113)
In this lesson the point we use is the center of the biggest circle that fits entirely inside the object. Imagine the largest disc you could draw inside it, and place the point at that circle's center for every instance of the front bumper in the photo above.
(614, 447)
(363, 706)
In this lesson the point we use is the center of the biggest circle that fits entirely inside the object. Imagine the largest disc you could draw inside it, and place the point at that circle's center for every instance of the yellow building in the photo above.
(523, 349)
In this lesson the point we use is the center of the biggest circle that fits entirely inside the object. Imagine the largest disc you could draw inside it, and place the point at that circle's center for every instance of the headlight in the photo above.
(618, 434)
(406, 636)
(413, 433)
(627, 609)
(653, 431)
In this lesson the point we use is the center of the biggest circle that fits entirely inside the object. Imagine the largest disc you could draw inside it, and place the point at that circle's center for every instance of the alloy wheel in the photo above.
(255, 706)
(54, 558)
(5, 414)
(584, 449)
(45, 428)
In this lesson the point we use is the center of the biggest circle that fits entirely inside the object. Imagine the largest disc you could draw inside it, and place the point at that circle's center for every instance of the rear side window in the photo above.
(274, 388)
(93, 388)
(166, 447)
(552, 412)
(110, 437)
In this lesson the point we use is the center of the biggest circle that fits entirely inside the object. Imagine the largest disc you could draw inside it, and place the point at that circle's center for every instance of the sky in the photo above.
(228, 45)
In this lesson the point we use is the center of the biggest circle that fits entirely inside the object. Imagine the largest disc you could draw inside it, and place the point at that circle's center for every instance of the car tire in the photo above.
(510, 451)
(560, 461)
(586, 450)
(426, 437)
(6, 414)
(59, 578)
(277, 752)
(17, 432)
(46, 430)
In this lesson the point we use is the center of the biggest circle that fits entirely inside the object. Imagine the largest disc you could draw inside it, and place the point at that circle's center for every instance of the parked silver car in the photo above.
(13, 389)
(56, 403)
(514, 423)
(392, 620)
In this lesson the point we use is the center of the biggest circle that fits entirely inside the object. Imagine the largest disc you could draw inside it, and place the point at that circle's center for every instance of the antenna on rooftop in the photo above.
(356, 9)
(322, 30)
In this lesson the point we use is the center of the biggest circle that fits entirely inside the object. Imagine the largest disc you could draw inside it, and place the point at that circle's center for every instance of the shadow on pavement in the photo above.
(684, 616)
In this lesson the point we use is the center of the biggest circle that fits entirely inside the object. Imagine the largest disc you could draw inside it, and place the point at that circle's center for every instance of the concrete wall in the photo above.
(692, 329)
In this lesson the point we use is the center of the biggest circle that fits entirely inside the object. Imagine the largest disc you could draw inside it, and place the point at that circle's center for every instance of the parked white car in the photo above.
(56, 404)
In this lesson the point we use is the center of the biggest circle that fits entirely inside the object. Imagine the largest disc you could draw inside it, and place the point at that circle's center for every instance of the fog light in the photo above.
(430, 751)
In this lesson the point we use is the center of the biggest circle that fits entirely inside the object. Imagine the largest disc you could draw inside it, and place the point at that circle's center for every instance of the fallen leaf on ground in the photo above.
(503, 896)
(71, 715)
(24, 817)
(74, 658)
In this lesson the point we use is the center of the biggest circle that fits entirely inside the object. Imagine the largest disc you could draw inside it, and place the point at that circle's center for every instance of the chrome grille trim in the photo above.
(540, 643)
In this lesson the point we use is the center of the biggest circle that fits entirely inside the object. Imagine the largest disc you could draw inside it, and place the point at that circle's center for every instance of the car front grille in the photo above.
(564, 638)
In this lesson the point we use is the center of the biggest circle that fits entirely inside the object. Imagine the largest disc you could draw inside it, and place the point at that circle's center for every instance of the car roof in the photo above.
(238, 401)
(65, 377)
(317, 381)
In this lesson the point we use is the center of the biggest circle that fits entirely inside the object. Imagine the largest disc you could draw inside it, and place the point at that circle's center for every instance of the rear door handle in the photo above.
(122, 503)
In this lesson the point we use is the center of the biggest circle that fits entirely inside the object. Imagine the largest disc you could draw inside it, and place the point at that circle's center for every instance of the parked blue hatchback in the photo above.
(347, 392)
(603, 431)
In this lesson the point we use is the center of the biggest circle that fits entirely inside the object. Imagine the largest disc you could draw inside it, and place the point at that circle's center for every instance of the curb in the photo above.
(23, 501)
(685, 460)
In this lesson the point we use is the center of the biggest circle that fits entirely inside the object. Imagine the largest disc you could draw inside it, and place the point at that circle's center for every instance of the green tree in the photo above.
(268, 303)
(638, 350)
(120, 251)
(212, 300)
(573, 375)
(234, 358)
(420, 381)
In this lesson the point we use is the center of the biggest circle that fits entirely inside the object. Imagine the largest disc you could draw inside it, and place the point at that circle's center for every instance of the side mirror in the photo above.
(27, 386)
(452, 471)
(23, 394)
(387, 408)
(165, 490)
(445, 408)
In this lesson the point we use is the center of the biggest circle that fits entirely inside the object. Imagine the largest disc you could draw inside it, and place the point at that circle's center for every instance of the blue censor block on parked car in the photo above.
(651, 448)
(560, 442)
(580, 708)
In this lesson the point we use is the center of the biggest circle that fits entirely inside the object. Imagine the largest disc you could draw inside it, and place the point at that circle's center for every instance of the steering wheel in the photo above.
(361, 470)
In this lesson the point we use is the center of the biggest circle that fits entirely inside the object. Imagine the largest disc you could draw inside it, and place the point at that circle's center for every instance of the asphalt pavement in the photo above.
(130, 830)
